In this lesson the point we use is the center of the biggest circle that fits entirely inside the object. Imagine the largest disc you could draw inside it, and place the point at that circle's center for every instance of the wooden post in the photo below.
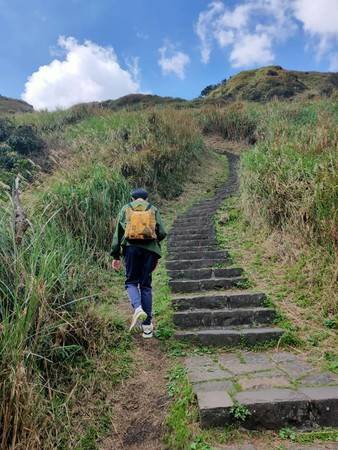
(20, 219)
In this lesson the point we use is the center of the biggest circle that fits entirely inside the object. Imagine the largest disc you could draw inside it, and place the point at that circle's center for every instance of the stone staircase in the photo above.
(271, 389)
(210, 306)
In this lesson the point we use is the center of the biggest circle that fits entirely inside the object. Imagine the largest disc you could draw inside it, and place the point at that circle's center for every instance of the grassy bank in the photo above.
(63, 344)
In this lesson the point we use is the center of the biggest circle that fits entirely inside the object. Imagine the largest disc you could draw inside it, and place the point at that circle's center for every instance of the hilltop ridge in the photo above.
(13, 105)
(271, 82)
(257, 85)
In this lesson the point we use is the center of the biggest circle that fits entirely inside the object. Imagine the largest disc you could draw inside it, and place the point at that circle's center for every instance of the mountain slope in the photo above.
(136, 102)
(13, 105)
(274, 81)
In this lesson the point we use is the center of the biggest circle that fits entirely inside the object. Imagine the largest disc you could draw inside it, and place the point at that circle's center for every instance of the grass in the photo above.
(62, 344)
(269, 82)
(298, 297)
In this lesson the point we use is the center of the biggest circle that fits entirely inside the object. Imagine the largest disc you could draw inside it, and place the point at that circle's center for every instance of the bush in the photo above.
(24, 140)
(6, 128)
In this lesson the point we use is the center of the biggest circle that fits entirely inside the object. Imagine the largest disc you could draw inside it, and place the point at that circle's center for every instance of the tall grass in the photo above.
(235, 122)
(45, 326)
(36, 280)
(291, 177)
(174, 146)
(86, 203)
(289, 184)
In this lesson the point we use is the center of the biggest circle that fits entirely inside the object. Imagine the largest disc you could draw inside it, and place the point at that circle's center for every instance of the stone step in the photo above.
(198, 274)
(200, 254)
(191, 248)
(278, 389)
(199, 209)
(194, 246)
(193, 242)
(206, 284)
(192, 237)
(200, 241)
(191, 231)
(178, 264)
(272, 409)
(193, 221)
(230, 336)
(208, 318)
(198, 215)
(192, 227)
(217, 300)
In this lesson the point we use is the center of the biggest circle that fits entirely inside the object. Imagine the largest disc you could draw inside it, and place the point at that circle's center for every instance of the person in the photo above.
(137, 238)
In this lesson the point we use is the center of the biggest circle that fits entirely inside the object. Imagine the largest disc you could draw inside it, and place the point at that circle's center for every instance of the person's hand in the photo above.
(116, 265)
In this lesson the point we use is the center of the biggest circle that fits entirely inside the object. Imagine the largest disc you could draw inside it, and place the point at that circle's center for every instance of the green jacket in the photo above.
(119, 240)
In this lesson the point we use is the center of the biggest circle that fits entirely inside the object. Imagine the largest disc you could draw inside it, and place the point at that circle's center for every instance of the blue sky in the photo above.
(166, 47)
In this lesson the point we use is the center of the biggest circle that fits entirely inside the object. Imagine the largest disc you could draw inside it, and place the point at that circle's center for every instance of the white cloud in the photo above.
(251, 28)
(250, 50)
(172, 60)
(318, 17)
(320, 21)
(204, 27)
(87, 73)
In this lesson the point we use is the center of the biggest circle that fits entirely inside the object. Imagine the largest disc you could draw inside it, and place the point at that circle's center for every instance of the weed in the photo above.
(287, 433)
(199, 444)
(182, 410)
(240, 412)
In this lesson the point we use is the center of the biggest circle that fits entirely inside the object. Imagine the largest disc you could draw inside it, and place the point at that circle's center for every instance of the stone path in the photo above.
(210, 307)
(273, 389)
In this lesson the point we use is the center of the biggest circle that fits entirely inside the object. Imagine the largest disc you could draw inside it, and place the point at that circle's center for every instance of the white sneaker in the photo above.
(139, 314)
(147, 331)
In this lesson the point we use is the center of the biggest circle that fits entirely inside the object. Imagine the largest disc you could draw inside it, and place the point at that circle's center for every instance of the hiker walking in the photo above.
(137, 237)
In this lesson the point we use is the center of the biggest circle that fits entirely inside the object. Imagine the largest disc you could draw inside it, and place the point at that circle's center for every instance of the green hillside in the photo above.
(64, 341)
(271, 82)
(138, 101)
(12, 105)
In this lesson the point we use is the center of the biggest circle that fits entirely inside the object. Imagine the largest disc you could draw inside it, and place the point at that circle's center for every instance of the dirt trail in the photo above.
(140, 403)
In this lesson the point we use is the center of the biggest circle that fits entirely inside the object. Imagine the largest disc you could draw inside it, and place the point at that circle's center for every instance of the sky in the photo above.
(56, 53)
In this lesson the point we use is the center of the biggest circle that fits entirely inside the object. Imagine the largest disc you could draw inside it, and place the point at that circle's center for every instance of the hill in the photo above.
(271, 82)
(135, 102)
(13, 105)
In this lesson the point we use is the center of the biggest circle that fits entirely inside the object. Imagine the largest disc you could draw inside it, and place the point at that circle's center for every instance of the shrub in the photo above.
(6, 128)
(24, 140)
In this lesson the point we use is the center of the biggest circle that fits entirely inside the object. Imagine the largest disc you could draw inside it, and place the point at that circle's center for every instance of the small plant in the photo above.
(287, 433)
(332, 361)
(240, 412)
(331, 323)
(199, 444)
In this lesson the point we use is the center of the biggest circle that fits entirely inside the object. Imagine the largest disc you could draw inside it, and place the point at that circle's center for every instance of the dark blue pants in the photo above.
(140, 263)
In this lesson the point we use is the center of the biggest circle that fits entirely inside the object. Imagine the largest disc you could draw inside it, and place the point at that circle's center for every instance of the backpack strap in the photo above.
(148, 207)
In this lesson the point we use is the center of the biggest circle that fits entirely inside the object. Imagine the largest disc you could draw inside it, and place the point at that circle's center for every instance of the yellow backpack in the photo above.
(141, 222)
